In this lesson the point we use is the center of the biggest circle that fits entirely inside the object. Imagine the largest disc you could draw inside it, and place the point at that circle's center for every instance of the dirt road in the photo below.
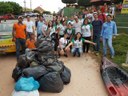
(85, 81)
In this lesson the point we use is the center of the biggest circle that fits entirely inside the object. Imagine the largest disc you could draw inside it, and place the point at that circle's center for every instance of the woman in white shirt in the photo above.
(63, 42)
(86, 34)
(59, 25)
(51, 28)
(77, 44)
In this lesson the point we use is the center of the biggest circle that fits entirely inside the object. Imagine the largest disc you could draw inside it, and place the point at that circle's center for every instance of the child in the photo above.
(30, 43)
(77, 43)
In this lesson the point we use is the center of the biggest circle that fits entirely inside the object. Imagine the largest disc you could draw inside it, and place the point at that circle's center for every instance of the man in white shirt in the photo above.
(30, 27)
(44, 29)
(77, 25)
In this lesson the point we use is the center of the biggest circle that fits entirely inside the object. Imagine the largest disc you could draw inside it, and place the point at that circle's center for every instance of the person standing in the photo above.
(86, 34)
(77, 25)
(97, 26)
(70, 31)
(36, 21)
(101, 16)
(59, 25)
(30, 27)
(109, 29)
(39, 26)
(19, 36)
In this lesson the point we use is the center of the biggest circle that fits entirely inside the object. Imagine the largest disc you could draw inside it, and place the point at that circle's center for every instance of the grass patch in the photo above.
(121, 47)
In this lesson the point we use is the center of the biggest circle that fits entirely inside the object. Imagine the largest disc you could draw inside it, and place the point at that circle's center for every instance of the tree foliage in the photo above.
(117, 1)
(17, 9)
(5, 8)
(69, 1)
(84, 2)
(10, 7)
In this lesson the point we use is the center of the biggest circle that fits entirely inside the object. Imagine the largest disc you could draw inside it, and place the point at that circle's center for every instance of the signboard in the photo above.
(125, 7)
(48, 17)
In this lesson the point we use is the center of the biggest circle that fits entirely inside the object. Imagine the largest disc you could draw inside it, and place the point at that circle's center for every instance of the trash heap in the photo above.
(43, 65)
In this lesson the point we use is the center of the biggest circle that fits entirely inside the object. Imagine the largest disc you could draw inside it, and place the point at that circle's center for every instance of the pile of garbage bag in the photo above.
(43, 66)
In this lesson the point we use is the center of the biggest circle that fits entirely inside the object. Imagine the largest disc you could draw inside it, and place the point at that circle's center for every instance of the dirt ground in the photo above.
(85, 80)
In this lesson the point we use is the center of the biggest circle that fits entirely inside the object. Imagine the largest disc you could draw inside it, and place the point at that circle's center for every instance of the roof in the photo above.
(41, 10)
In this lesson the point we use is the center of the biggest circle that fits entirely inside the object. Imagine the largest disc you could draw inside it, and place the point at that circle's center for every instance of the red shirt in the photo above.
(102, 17)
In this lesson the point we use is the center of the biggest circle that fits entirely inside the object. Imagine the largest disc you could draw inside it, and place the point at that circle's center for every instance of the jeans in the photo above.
(29, 34)
(96, 39)
(109, 42)
(20, 43)
(77, 50)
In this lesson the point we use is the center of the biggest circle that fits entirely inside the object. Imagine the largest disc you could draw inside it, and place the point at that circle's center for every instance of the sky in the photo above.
(48, 5)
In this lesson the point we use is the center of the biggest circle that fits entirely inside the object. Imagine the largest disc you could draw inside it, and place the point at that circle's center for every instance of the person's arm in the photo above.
(44, 31)
(33, 27)
(114, 29)
(60, 44)
(70, 44)
(87, 41)
(25, 31)
(13, 34)
(91, 29)
(102, 31)
(27, 44)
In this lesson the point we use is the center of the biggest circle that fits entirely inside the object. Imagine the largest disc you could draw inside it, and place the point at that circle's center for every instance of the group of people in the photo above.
(71, 35)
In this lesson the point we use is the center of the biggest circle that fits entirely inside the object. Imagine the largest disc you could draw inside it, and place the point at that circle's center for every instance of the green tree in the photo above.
(84, 2)
(10, 7)
(5, 8)
(117, 1)
(69, 1)
(17, 9)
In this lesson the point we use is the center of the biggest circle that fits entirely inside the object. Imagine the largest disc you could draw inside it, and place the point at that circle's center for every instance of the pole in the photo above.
(24, 6)
(31, 4)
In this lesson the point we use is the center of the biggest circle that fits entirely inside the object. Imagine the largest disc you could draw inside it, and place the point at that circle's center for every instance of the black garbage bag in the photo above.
(22, 62)
(34, 64)
(56, 66)
(48, 61)
(45, 46)
(51, 82)
(16, 74)
(66, 75)
(35, 72)
(40, 39)
(30, 55)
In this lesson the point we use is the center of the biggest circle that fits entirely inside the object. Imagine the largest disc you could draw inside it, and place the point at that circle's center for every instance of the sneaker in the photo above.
(112, 57)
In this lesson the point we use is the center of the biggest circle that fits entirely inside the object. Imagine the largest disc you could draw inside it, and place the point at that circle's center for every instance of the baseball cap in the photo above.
(20, 17)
